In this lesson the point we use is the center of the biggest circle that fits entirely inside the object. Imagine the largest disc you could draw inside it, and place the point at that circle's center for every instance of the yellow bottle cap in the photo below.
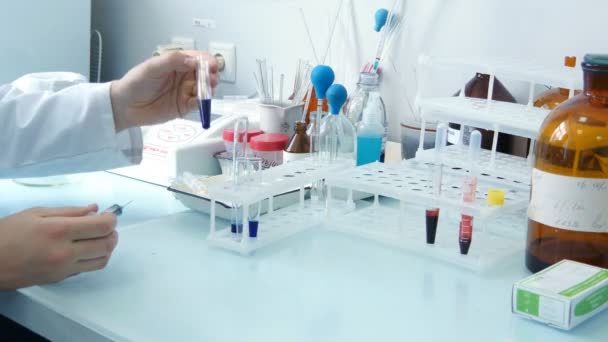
(496, 197)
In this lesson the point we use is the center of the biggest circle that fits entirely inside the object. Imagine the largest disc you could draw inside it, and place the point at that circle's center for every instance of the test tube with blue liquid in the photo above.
(203, 92)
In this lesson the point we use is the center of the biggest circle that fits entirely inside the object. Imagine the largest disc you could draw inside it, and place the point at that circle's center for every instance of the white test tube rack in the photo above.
(498, 231)
(500, 117)
(275, 225)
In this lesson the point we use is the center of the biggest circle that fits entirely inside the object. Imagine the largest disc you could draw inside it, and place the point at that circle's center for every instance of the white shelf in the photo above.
(505, 166)
(528, 70)
(498, 116)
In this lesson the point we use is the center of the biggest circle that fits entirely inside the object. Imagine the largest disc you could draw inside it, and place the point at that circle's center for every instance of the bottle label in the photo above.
(571, 203)
(453, 136)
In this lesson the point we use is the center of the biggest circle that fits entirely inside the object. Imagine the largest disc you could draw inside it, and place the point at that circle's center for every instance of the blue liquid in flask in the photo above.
(368, 149)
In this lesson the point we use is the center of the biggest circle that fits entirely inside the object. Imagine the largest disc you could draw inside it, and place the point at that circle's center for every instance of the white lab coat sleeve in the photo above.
(44, 133)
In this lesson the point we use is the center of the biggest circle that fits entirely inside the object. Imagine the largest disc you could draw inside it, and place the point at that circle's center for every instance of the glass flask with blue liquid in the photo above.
(370, 131)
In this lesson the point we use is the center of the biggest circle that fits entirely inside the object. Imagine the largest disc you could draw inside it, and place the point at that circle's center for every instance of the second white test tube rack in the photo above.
(498, 231)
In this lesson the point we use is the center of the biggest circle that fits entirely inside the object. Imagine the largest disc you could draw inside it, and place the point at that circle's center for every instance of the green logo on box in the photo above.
(527, 302)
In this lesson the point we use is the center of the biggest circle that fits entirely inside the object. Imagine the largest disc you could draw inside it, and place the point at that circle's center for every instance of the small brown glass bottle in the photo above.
(568, 213)
(552, 98)
(299, 144)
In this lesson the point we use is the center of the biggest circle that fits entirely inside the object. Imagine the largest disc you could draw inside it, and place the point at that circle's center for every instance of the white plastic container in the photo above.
(270, 148)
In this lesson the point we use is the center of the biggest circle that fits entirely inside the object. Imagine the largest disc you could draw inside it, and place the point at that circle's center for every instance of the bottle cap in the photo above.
(228, 134)
(496, 197)
(269, 142)
(570, 61)
(595, 63)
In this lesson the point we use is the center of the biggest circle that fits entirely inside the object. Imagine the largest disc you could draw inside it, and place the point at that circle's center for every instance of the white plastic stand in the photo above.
(500, 117)
(276, 224)
(498, 231)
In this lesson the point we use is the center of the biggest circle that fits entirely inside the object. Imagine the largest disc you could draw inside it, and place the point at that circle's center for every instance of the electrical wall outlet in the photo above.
(204, 23)
(184, 43)
(225, 53)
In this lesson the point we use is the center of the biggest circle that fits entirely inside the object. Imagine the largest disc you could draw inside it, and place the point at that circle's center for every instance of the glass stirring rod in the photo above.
(203, 91)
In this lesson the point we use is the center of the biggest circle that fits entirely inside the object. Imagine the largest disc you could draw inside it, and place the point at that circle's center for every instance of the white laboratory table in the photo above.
(165, 283)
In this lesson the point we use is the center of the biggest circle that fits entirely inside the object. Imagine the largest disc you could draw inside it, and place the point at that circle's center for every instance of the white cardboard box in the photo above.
(563, 295)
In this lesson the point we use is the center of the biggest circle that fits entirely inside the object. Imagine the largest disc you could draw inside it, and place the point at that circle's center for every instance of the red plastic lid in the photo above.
(269, 142)
(228, 134)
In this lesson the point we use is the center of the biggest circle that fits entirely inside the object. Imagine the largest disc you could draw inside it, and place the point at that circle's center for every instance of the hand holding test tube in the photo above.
(203, 91)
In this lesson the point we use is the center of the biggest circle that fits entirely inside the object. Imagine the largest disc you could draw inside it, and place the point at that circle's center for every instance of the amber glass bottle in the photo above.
(299, 144)
(478, 87)
(552, 98)
(568, 213)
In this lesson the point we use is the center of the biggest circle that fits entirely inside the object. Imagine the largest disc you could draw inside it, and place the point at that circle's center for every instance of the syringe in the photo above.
(116, 209)
(469, 190)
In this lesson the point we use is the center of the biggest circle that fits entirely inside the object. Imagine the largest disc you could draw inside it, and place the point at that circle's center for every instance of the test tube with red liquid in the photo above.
(469, 190)
(432, 212)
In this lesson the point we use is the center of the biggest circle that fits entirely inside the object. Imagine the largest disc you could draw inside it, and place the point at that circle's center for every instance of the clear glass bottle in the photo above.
(552, 98)
(368, 83)
(337, 138)
(567, 214)
(370, 131)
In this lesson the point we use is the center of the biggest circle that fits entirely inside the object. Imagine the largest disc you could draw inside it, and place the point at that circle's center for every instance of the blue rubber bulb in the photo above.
(336, 96)
(322, 76)
(381, 18)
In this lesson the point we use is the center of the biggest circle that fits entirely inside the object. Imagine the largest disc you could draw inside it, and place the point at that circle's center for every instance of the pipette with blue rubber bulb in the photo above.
(432, 213)
(322, 77)
(203, 91)
(469, 193)
(381, 16)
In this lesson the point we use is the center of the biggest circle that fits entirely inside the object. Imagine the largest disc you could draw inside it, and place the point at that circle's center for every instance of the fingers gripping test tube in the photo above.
(203, 91)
